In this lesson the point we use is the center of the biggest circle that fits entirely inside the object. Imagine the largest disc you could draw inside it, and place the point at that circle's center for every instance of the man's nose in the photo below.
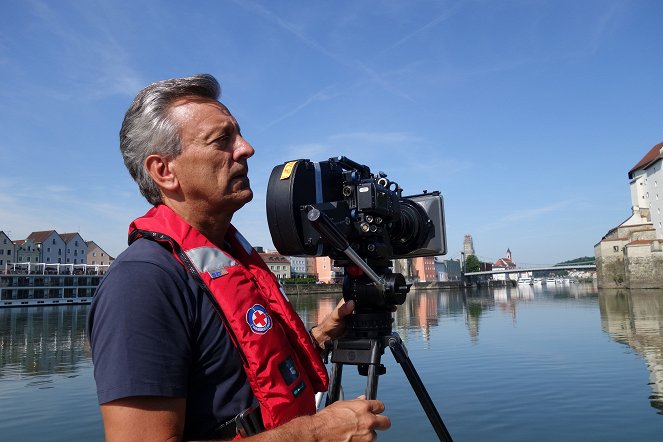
(243, 149)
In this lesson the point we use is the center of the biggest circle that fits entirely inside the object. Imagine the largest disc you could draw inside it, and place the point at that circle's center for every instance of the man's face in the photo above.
(212, 169)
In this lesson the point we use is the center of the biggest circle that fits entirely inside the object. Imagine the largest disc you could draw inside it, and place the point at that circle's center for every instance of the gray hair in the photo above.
(147, 128)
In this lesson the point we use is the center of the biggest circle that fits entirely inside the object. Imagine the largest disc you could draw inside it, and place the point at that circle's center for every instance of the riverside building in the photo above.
(631, 254)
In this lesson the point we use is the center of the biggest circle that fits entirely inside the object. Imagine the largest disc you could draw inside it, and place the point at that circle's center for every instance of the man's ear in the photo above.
(161, 171)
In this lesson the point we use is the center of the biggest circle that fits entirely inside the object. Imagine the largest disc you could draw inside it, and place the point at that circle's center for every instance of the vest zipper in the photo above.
(184, 259)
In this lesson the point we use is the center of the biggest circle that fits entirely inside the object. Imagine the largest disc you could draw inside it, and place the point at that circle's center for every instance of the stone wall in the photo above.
(644, 266)
(611, 272)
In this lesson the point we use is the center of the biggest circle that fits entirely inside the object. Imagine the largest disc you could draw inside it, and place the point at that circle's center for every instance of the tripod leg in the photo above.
(334, 391)
(400, 354)
(372, 382)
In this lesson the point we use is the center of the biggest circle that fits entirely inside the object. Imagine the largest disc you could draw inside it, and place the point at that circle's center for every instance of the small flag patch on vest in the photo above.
(258, 319)
(217, 273)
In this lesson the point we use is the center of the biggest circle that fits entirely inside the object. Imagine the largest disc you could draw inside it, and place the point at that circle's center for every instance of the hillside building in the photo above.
(96, 255)
(7, 251)
(302, 266)
(278, 264)
(468, 246)
(505, 263)
(447, 269)
(51, 246)
(26, 251)
(631, 254)
(75, 248)
(424, 269)
(326, 270)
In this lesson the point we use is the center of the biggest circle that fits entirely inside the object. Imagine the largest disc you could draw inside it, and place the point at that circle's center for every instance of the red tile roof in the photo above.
(653, 155)
(639, 242)
(505, 263)
(40, 237)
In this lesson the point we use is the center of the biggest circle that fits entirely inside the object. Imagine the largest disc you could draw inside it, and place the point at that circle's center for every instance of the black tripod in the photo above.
(369, 330)
(370, 333)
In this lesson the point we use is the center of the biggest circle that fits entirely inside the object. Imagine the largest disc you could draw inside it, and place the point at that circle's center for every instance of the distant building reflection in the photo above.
(635, 318)
(41, 340)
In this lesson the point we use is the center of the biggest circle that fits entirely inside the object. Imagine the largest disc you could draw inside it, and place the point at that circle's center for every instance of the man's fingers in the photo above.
(375, 407)
(345, 309)
(382, 423)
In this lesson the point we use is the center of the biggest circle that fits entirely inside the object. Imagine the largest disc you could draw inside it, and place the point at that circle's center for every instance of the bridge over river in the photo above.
(535, 269)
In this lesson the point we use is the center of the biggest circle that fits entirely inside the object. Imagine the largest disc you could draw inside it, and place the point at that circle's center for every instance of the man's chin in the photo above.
(244, 196)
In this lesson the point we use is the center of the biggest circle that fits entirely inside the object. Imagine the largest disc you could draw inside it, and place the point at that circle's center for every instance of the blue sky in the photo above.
(526, 115)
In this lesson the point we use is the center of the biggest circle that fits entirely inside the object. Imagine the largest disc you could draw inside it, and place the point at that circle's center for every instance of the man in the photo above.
(188, 329)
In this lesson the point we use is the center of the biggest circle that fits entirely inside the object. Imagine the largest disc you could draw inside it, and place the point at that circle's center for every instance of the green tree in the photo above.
(472, 264)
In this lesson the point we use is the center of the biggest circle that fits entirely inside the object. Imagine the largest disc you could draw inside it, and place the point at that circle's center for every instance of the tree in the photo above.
(472, 264)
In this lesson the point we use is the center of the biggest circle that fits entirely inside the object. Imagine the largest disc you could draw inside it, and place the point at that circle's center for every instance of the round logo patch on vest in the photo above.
(258, 319)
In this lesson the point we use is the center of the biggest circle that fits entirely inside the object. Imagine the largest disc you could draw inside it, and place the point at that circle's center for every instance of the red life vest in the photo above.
(282, 365)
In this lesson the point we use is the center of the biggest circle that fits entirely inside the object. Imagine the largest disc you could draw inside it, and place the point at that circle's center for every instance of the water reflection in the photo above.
(42, 340)
(635, 318)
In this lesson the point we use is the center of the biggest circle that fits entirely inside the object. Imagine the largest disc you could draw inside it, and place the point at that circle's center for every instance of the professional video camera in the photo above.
(368, 209)
(340, 209)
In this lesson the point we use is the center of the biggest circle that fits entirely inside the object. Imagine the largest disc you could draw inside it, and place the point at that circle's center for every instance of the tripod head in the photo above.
(374, 302)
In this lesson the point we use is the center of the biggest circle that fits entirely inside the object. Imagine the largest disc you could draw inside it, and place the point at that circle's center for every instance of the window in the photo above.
(94, 254)
(53, 240)
(59, 252)
(2, 251)
(48, 250)
(76, 243)
(615, 248)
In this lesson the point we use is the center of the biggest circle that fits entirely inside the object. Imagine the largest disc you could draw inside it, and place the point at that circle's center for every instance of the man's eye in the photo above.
(222, 140)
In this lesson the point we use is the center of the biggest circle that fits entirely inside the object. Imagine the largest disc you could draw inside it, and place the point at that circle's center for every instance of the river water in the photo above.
(514, 364)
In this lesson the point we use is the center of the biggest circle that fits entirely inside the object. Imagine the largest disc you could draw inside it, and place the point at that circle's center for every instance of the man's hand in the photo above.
(356, 420)
(333, 326)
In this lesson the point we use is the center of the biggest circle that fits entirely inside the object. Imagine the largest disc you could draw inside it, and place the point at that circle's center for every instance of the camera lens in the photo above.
(411, 231)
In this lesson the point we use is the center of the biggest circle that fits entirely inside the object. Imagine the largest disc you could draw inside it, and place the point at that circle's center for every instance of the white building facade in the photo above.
(297, 266)
(51, 246)
(7, 250)
(75, 248)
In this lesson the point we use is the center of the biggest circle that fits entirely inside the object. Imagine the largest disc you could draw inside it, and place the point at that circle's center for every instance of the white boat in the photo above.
(525, 280)
(550, 281)
(25, 284)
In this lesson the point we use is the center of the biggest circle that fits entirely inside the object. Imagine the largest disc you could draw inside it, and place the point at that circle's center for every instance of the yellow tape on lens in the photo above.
(287, 170)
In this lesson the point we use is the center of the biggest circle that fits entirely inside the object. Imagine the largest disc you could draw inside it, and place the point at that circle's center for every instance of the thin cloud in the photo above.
(323, 94)
(453, 10)
(377, 137)
(605, 24)
(106, 67)
(370, 74)
(535, 212)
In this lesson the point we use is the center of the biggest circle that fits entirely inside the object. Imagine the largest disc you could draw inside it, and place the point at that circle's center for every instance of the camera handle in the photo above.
(331, 234)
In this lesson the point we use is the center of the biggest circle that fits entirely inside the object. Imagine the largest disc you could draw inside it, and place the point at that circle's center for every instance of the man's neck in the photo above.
(214, 227)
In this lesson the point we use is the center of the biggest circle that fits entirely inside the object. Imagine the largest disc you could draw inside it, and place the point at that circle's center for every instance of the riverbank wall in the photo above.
(630, 257)
(323, 289)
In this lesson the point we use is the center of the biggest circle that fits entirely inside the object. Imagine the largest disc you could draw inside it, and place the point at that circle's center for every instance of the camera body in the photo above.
(367, 209)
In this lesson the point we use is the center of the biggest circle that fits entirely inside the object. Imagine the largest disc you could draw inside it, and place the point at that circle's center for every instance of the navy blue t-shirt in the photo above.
(154, 332)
